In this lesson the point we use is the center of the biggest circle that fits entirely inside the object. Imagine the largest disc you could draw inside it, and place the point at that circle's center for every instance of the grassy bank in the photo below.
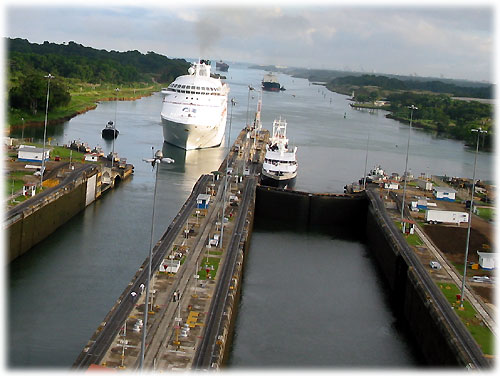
(84, 97)
(482, 334)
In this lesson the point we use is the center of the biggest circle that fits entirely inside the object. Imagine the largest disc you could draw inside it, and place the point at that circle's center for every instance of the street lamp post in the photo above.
(412, 107)
(366, 162)
(250, 88)
(479, 131)
(157, 158)
(114, 129)
(49, 77)
(233, 103)
(22, 133)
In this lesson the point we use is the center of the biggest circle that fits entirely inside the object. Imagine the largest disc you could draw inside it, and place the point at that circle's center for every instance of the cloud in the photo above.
(427, 40)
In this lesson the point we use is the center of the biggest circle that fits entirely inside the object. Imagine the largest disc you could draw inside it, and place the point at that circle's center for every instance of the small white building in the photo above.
(425, 185)
(202, 201)
(391, 185)
(27, 153)
(445, 194)
(29, 189)
(92, 157)
(170, 266)
(486, 260)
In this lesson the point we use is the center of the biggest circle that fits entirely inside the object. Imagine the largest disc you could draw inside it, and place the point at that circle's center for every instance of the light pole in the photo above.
(22, 133)
(157, 158)
(114, 129)
(250, 88)
(49, 76)
(412, 107)
(366, 162)
(479, 131)
(233, 103)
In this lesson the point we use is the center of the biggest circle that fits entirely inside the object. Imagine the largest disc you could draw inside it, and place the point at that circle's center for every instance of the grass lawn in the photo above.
(14, 181)
(212, 262)
(412, 239)
(482, 334)
(486, 213)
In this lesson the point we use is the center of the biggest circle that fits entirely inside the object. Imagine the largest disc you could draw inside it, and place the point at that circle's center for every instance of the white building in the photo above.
(391, 185)
(486, 260)
(424, 184)
(442, 193)
(29, 189)
(170, 266)
(92, 157)
(27, 153)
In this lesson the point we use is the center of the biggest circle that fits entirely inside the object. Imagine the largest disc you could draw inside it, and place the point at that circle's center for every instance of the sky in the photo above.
(450, 39)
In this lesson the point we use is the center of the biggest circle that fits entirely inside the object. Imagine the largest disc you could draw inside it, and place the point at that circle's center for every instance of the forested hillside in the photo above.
(72, 60)
(434, 86)
(83, 76)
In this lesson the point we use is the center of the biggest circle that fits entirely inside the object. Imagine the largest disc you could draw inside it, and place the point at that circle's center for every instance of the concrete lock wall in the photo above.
(35, 226)
(369, 222)
(330, 213)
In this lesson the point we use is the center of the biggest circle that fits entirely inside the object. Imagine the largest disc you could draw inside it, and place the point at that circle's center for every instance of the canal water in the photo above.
(308, 299)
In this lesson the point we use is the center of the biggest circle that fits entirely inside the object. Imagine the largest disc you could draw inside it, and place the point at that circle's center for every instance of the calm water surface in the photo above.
(60, 291)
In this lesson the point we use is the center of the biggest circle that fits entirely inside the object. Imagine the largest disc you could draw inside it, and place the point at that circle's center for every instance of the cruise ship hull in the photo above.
(193, 136)
(278, 181)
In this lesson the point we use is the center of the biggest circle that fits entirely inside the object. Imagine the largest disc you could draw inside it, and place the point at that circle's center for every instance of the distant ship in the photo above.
(270, 83)
(221, 66)
(110, 132)
(194, 109)
(280, 162)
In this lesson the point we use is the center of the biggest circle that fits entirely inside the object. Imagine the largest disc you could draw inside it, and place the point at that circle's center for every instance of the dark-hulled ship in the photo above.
(270, 83)
(221, 66)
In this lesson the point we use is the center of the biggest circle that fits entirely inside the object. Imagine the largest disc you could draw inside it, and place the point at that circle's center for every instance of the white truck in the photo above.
(446, 216)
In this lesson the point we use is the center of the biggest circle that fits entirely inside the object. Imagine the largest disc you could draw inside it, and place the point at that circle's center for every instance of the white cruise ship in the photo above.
(280, 163)
(194, 109)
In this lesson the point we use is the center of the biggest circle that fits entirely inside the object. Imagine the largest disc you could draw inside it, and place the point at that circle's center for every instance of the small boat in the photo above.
(110, 132)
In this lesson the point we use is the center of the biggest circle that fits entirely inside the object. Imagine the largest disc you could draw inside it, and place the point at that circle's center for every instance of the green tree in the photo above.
(31, 94)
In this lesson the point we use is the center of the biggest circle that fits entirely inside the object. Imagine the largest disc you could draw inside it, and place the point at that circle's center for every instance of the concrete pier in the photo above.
(190, 331)
(33, 220)
(197, 269)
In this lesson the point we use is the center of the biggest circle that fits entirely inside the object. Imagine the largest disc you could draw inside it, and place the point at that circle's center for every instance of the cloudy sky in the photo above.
(453, 41)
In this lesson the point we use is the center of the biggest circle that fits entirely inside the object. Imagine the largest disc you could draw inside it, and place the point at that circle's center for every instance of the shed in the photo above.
(29, 189)
(92, 157)
(422, 204)
(445, 194)
(202, 201)
(27, 153)
(170, 266)
(486, 260)
(391, 185)
(426, 185)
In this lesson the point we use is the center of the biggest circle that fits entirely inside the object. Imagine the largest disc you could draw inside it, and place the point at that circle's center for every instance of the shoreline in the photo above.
(62, 119)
